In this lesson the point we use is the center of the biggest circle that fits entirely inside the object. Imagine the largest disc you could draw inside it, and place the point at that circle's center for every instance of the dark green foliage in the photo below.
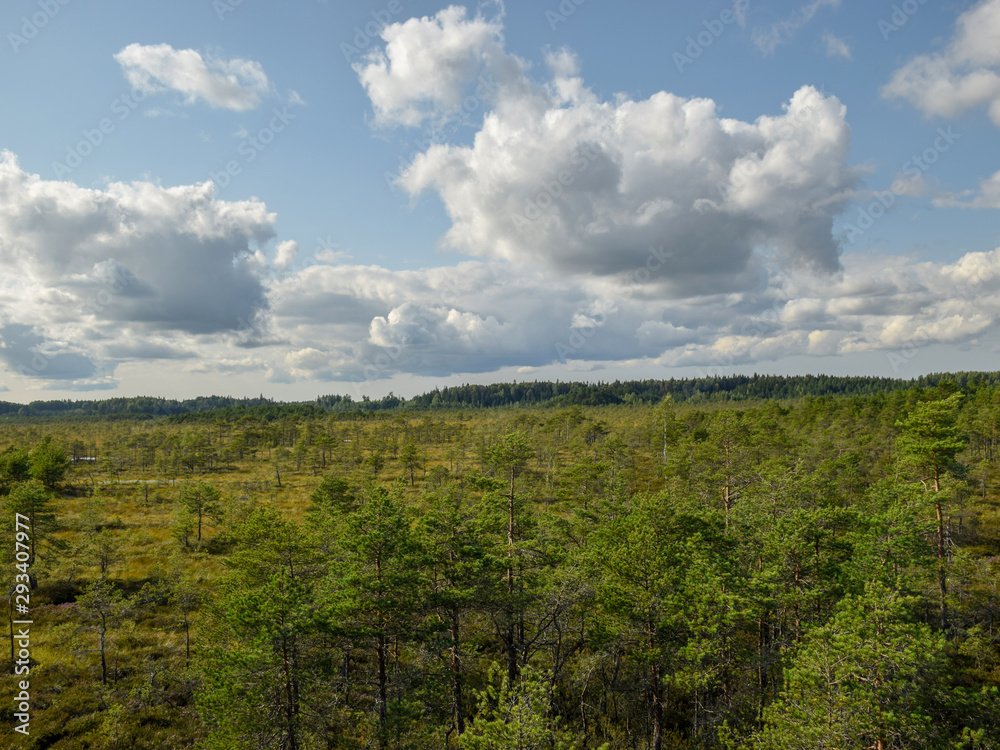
(730, 388)
(374, 596)
(517, 716)
(875, 677)
(33, 501)
(48, 463)
(334, 495)
(260, 663)
(15, 466)
(671, 571)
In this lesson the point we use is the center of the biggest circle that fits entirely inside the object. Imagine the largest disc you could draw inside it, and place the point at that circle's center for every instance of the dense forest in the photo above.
(558, 394)
(735, 563)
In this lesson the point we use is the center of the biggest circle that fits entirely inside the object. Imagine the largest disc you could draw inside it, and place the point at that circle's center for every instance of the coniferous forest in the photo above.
(797, 564)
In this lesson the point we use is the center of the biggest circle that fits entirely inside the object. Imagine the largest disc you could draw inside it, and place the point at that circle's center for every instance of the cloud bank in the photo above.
(587, 232)
(131, 260)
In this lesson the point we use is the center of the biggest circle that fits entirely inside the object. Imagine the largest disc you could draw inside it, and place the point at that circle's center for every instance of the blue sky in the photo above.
(307, 197)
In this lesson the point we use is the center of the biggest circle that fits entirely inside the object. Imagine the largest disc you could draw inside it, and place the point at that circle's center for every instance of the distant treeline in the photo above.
(137, 407)
(695, 391)
(536, 393)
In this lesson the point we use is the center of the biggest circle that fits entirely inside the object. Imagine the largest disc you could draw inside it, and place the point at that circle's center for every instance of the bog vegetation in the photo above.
(671, 569)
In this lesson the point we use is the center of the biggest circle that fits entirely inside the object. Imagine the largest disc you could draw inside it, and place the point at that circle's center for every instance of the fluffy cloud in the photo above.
(588, 186)
(363, 323)
(558, 177)
(287, 252)
(630, 231)
(407, 85)
(879, 304)
(226, 84)
(965, 75)
(101, 281)
(370, 322)
(83, 264)
(609, 231)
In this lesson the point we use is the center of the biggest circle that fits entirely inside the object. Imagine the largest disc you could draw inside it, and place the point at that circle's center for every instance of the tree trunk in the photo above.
(104, 662)
(655, 690)
(380, 655)
(941, 550)
(511, 638)
(456, 676)
(727, 501)
(382, 689)
(942, 577)
(291, 692)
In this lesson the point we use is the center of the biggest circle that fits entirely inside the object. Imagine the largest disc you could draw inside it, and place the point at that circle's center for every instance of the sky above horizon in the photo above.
(301, 198)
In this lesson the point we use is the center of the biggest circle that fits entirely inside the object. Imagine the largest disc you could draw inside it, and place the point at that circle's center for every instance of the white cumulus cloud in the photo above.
(129, 260)
(561, 178)
(426, 64)
(589, 186)
(236, 84)
(963, 76)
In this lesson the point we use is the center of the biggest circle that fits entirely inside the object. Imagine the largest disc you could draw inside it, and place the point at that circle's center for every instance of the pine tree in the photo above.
(870, 678)
(33, 500)
(201, 500)
(373, 592)
(508, 455)
(104, 608)
(929, 444)
(49, 463)
(458, 550)
(517, 716)
(261, 652)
